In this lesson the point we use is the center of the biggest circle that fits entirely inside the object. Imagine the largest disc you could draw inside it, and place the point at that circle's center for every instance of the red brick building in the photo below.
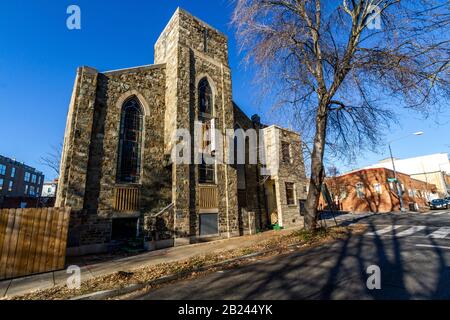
(372, 190)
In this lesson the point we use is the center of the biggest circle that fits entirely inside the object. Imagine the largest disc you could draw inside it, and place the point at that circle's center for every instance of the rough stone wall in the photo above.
(254, 184)
(343, 190)
(147, 84)
(289, 172)
(168, 93)
(74, 160)
(181, 47)
(91, 149)
(87, 229)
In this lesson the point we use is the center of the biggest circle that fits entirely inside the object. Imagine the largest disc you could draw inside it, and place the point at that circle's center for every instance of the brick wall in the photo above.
(378, 195)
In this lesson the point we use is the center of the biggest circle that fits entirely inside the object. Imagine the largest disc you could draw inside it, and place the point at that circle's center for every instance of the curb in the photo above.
(100, 295)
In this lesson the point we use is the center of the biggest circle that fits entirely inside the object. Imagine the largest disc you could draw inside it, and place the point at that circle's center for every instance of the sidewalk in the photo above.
(89, 270)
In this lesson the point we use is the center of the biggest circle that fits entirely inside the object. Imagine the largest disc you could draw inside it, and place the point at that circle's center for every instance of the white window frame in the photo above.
(360, 194)
(378, 188)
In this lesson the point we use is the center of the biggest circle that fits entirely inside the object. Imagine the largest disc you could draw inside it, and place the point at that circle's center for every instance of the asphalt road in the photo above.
(412, 251)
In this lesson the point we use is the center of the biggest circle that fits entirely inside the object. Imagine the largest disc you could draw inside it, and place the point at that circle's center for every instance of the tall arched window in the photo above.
(205, 99)
(205, 113)
(129, 160)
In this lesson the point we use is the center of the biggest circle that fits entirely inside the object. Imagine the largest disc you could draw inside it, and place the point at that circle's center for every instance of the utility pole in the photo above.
(399, 186)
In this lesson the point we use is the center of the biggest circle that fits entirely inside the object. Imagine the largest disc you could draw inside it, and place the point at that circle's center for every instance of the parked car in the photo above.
(447, 199)
(439, 204)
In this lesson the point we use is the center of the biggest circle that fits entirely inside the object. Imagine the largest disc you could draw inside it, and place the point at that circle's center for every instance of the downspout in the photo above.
(224, 149)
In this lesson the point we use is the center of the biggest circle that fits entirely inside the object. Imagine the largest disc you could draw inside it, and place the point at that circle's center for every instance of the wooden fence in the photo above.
(32, 240)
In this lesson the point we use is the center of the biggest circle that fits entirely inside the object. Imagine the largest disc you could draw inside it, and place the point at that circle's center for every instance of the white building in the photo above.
(49, 189)
(433, 169)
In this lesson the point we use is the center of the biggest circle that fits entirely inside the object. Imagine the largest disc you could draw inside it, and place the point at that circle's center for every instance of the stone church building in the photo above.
(117, 173)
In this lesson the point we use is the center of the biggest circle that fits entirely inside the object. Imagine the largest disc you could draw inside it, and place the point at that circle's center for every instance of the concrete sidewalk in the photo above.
(89, 270)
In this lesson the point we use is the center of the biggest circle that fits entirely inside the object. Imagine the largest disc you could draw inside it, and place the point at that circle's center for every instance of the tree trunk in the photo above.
(317, 169)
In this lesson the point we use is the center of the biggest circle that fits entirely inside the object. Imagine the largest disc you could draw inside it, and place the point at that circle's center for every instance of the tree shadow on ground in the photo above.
(332, 271)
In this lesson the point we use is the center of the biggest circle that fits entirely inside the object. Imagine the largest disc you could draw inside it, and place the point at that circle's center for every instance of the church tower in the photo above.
(198, 89)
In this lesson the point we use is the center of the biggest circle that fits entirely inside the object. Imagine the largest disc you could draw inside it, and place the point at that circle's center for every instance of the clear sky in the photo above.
(39, 57)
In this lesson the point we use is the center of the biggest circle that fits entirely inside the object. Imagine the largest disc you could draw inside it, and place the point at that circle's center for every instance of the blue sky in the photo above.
(39, 57)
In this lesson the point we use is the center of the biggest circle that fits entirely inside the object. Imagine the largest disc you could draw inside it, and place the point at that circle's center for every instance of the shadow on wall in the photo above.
(372, 200)
(370, 191)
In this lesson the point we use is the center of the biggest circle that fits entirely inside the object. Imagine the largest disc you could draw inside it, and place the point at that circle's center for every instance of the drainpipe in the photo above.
(224, 149)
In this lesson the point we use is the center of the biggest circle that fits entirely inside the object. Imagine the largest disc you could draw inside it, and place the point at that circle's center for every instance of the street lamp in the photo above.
(399, 189)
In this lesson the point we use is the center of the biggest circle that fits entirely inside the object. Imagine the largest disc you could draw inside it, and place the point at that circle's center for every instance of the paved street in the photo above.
(412, 251)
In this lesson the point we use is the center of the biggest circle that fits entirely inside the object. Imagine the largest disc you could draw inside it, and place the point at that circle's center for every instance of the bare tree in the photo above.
(52, 158)
(344, 68)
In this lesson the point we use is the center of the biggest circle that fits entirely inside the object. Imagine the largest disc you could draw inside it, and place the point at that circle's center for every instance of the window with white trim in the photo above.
(360, 190)
(378, 188)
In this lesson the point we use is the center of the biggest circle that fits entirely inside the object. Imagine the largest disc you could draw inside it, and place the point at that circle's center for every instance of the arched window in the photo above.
(205, 113)
(129, 160)
(205, 98)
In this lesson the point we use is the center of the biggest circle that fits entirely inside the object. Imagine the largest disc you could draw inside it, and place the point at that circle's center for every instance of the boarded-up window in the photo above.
(290, 195)
(209, 224)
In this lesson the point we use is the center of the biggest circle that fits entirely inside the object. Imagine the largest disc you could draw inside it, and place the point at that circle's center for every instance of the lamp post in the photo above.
(399, 188)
